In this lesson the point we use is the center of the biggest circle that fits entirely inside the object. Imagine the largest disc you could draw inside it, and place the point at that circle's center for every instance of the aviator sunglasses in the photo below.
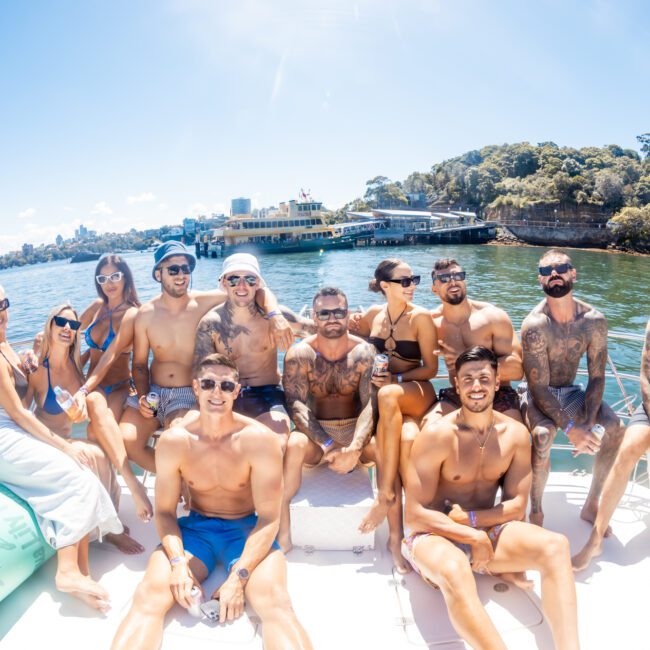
(4, 304)
(324, 314)
(233, 280)
(226, 386)
(559, 269)
(175, 269)
(458, 276)
(406, 282)
(60, 321)
(113, 277)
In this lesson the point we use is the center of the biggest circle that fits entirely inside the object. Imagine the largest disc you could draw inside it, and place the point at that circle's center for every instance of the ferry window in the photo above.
(274, 224)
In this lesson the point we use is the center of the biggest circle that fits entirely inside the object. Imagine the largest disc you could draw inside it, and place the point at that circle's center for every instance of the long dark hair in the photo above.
(383, 273)
(130, 295)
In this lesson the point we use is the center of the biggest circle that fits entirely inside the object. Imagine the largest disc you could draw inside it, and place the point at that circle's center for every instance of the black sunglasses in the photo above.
(406, 282)
(175, 269)
(458, 276)
(4, 304)
(59, 321)
(338, 313)
(233, 280)
(113, 277)
(559, 269)
(210, 384)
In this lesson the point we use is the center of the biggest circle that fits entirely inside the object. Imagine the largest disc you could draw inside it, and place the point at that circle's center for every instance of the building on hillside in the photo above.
(28, 249)
(59, 240)
(240, 205)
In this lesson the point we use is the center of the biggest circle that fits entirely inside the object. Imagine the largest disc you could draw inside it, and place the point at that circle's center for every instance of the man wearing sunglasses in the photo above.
(238, 329)
(463, 323)
(232, 466)
(166, 326)
(327, 382)
(556, 334)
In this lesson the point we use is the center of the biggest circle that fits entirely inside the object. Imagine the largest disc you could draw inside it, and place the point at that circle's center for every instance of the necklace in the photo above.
(481, 446)
(390, 349)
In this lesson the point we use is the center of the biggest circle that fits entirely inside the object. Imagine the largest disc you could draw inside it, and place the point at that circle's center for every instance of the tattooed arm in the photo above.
(301, 326)
(363, 361)
(204, 343)
(295, 381)
(596, 327)
(645, 370)
(534, 335)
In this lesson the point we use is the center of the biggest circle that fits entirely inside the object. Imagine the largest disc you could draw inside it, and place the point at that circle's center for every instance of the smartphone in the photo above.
(210, 609)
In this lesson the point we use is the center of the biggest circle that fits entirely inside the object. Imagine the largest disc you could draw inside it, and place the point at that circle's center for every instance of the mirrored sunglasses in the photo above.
(324, 314)
(559, 269)
(113, 277)
(233, 280)
(226, 386)
(4, 304)
(59, 321)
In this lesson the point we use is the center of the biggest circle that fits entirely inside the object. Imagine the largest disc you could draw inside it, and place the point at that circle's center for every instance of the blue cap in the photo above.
(170, 249)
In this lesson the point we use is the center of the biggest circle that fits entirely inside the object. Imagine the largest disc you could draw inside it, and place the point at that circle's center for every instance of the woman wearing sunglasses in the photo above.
(407, 335)
(47, 471)
(60, 366)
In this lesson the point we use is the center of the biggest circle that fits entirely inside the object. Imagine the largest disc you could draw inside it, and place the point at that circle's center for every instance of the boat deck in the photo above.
(348, 601)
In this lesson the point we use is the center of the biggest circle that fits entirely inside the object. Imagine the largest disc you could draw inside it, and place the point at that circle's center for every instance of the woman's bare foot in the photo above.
(593, 548)
(376, 515)
(85, 589)
(589, 512)
(394, 545)
(124, 542)
(518, 579)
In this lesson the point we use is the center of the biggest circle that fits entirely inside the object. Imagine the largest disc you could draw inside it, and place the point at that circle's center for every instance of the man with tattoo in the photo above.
(463, 323)
(555, 336)
(328, 389)
(636, 441)
(455, 469)
(239, 330)
(233, 468)
(166, 326)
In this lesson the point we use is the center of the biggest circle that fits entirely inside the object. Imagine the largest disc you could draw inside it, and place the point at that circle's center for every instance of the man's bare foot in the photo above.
(377, 514)
(85, 589)
(593, 548)
(518, 579)
(143, 507)
(394, 545)
(589, 512)
(284, 541)
(536, 518)
(124, 542)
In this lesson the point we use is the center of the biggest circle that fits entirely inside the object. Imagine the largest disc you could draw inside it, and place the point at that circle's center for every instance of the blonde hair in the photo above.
(47, 336)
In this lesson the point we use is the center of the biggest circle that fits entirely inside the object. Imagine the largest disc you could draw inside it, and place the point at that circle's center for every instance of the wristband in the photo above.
(272, 313)
(472, 518)
(400, 378)
(178, 560)
(84, 390)
(327, 444)
(568, 427)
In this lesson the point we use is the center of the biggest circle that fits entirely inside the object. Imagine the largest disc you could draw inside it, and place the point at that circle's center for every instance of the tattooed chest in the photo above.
(567, 344)
(333, 379)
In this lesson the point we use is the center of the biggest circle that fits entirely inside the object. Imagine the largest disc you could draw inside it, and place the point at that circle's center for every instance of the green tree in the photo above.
(644, 141)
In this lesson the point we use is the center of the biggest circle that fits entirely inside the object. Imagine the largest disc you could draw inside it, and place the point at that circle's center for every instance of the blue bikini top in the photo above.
(111, 332)
(50, 405)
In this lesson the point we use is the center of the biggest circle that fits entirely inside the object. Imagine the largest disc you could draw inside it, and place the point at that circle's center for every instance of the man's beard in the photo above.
(332, 332)
(174, 291)
(477, 407)
(455, 299)
(558, 290)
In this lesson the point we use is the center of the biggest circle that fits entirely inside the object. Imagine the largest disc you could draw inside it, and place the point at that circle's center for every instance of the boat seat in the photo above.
(328, 508)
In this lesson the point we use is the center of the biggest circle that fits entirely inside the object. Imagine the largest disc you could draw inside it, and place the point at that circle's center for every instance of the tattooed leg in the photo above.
(604, 460)
(543, 437)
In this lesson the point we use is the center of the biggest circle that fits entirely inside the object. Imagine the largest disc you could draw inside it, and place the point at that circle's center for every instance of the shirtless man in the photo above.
(636, 441)
(166, 325)
(555, 335)
(233, 467)
(328, 390)
(237, 329)
(456, 466)
(463, 323)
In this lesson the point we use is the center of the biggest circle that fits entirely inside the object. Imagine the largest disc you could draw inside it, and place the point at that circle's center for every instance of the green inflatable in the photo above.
(22, 546)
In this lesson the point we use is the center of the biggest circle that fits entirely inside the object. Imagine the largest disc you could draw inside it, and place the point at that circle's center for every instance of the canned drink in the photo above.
(153, 400)
(381, 364)
(196, 600)
(598, 430)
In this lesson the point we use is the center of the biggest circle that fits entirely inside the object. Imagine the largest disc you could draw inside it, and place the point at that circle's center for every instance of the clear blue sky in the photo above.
(120, 113)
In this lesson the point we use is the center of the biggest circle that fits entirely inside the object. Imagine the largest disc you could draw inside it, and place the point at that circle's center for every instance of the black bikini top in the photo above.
(405, 350)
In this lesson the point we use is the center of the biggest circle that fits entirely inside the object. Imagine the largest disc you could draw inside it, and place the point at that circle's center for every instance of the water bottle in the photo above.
(65, 401)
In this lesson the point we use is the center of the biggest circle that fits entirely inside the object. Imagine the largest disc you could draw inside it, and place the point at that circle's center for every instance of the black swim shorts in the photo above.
(253, 401)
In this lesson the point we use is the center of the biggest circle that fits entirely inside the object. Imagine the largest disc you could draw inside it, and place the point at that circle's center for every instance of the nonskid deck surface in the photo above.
(349, 601)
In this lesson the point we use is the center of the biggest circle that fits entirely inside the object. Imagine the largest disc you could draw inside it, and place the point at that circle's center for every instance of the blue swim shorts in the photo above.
(213, 540)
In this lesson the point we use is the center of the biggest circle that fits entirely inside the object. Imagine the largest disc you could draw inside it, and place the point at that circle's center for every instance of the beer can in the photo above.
(598, 430)
(381, 364)
(195, 598)
(153, 400)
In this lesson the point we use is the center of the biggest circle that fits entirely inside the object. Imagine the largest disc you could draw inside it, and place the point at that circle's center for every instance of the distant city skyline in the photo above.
(120, 115)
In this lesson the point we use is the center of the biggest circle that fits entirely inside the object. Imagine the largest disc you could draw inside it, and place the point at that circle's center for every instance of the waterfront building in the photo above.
(59, 240)
(240, 205)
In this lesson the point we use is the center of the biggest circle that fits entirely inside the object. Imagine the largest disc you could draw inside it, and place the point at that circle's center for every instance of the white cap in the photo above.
(244, 263)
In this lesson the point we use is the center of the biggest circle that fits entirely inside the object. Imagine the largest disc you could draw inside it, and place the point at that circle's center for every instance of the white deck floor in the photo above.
(348, 601)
